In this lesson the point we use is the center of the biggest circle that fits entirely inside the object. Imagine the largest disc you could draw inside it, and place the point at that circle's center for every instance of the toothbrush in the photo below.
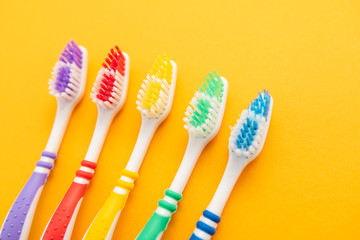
(67, 85)
(109, 93)
(245, 143)
(203, 121)
(154, 103)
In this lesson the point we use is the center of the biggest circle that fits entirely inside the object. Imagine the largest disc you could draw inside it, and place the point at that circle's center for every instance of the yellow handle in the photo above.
(102, 223)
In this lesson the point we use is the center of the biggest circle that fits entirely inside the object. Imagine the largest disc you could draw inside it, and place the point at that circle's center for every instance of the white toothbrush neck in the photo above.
(147, 130)
(102, 126)
(63, 113)
(232, 172)
(193, 151)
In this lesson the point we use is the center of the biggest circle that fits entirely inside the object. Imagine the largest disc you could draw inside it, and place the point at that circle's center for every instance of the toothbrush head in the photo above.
(248, 135)
(206, 110)
(69, 74)
(157, 91)
(110, 87)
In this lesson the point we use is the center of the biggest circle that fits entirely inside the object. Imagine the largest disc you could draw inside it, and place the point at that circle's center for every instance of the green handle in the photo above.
(158, 223)
(154, 227)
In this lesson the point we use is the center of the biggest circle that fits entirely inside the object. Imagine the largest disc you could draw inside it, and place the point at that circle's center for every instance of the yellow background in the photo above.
(306, 182)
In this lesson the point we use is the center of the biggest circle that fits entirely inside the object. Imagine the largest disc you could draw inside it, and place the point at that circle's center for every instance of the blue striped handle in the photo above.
(206, 226)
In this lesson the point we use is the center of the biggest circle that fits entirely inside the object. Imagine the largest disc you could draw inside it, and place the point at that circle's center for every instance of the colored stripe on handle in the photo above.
(61, 223)
(160, 219)
(206, 226)
(102, 224)
(18, 221)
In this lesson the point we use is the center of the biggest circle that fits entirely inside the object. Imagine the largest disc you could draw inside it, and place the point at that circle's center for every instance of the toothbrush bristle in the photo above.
(66, 75)
(203, 112)
(108, 85)
(154, 93)
(249, 133)
(260, 105)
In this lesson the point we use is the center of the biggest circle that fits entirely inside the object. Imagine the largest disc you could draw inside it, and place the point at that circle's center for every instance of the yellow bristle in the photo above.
(159, 77)
(151, 94)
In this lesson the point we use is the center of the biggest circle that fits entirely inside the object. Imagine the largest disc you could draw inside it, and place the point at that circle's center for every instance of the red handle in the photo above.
(60, 220)
(65, 213)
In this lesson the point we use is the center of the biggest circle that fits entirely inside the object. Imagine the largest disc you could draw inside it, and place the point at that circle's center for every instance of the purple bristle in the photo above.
(72, 53)
(67, 73)
(62, 78)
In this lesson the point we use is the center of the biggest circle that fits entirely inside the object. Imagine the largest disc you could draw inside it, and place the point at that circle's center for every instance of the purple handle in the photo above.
(14, 222)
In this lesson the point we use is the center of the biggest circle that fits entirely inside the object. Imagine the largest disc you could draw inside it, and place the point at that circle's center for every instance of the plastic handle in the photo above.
(19, 219)
(105, 221)
(65, 212)
(206, 226)
(160, 219)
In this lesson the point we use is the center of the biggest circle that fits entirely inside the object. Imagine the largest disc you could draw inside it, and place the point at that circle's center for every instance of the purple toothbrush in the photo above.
(67, 85)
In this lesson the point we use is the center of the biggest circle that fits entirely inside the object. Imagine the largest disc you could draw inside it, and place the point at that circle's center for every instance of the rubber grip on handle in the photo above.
(102, 223)
(158, 223)
(19, 219)
(62, 220)
(206, 226)
(14, 222)
(62, 216)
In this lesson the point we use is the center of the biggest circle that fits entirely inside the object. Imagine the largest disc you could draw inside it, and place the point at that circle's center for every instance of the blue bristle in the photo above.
(243, 134)
(260, 105)
(252, 131)
(255, 125)
(247, 130)
(247, 134)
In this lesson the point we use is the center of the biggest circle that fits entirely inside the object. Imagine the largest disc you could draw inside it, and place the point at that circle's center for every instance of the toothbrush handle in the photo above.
(19, 219)
(160, 219)
(104, 223)
(206, 226)
(62, 221)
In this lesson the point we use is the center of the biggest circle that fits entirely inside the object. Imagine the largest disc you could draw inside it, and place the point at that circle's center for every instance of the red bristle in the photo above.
(121, 69)
(105, 95)
(111, 57)
(104, 91)
(120, 53)
(104, 87)
(113, 52)
(114, 65)
(122, 62)
(114, 61)
(108, 62)
(100, 97)
(109, 82)
(118, 50)
(121, 66)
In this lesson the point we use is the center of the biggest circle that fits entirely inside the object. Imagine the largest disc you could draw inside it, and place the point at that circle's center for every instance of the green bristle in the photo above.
(200, 113)
(212, 87)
